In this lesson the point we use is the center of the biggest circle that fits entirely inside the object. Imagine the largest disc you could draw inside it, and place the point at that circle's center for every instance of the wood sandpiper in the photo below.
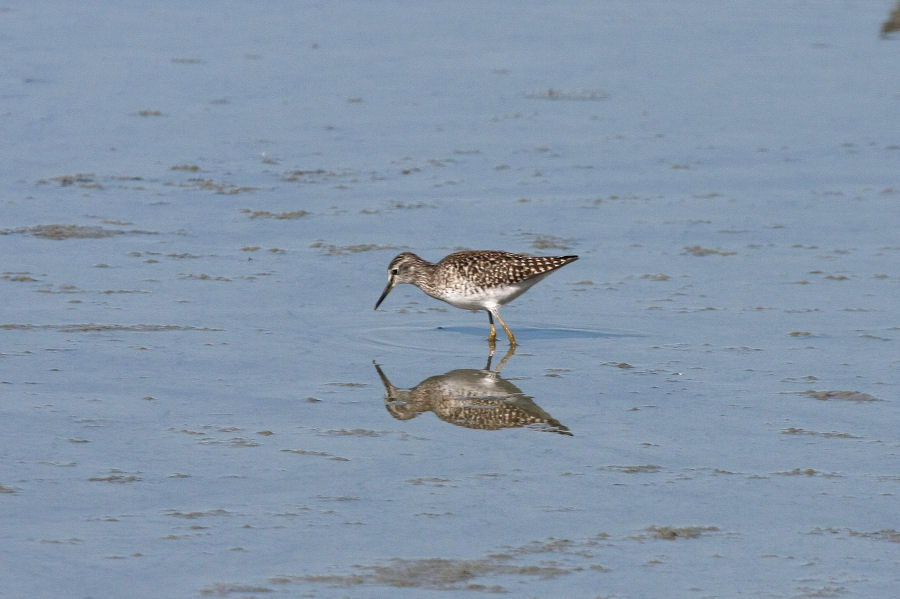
(474, 280)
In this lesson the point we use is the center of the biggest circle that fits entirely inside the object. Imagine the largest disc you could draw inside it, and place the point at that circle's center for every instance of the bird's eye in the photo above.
(395, 271)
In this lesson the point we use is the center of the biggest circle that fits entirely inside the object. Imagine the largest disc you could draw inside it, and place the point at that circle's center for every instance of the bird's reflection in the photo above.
(472, 398)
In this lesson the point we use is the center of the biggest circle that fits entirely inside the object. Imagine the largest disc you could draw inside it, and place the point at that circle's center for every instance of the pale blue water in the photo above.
(188, 392)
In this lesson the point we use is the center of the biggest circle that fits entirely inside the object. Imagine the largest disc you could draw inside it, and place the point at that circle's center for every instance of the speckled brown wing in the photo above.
(490, 268)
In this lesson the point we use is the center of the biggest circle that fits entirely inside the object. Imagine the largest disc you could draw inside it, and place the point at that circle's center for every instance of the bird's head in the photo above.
(404, 268)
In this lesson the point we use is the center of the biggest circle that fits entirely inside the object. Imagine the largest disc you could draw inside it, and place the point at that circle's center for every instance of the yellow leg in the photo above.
(512, 338)
(493, 336)
(509, 352)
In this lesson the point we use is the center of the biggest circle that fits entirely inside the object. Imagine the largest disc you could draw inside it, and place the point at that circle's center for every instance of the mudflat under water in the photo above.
(199, 206)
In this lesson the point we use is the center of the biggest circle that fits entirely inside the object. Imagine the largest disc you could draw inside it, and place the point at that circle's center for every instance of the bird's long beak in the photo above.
(387, 290)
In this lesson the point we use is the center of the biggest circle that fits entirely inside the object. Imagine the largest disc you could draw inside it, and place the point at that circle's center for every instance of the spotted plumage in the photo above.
(478, 399)
(474, 280)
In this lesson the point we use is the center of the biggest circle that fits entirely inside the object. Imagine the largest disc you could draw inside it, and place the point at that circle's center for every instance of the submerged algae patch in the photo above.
(855, 396)
(62, 232)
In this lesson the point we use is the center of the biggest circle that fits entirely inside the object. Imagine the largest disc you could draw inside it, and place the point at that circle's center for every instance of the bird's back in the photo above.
(472, 279)
(491, 268)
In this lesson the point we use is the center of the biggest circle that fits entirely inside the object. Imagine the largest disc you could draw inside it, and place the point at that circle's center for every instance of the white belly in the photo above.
(477, 298)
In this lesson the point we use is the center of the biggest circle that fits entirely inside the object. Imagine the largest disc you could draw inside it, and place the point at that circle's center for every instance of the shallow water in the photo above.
(199, 210)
